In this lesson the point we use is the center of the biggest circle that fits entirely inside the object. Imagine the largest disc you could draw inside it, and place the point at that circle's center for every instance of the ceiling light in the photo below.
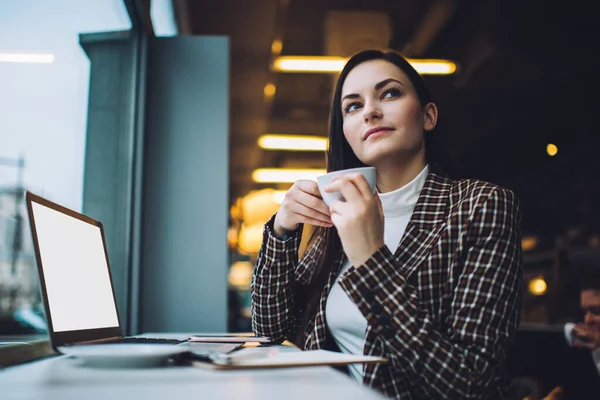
(552, 149)
(275, 175)
(433, 67)
(27, 58)
(319, 64)
(309, 64)
(292, 142)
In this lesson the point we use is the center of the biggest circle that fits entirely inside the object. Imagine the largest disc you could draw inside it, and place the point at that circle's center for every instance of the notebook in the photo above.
(75, 278)
(281, 357)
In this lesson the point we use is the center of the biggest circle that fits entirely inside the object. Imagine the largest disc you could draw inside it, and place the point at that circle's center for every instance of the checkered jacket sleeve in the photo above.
(277, 274)
(458, 357)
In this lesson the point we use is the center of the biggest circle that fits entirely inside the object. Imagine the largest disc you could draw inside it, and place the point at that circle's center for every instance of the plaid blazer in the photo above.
(443, 308)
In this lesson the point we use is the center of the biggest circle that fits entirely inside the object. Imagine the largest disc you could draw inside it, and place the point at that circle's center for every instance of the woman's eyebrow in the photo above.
(377, 86)
(385, 82)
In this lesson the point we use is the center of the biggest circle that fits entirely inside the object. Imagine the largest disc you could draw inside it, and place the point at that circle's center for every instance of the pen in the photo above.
(243, 355)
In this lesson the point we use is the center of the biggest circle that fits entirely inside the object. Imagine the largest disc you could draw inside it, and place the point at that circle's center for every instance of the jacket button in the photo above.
(388, 332)
(376, 308)
(384, 320)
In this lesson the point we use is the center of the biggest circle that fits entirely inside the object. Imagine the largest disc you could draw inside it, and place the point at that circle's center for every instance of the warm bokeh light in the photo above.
(270, 90)
(276, 46)
(232, 237)
(528, 243)
(253, 211)
(552, 149)
(27, 58)
(250, 238)
(240, 275)
(285, 175)
(258, 206)
(322, 64)
(292, 142)
(538, 286)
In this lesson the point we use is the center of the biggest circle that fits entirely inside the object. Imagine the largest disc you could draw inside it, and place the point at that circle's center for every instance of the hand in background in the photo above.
(585, 337)
(556, 394)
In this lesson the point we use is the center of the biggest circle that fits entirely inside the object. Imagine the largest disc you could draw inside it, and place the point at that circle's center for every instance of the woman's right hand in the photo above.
(302, 204)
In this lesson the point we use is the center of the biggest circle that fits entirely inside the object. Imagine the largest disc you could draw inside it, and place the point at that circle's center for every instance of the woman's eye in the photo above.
(352, 107)
(391, 93)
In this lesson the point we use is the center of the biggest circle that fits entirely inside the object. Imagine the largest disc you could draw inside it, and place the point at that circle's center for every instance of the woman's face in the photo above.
(382, 116)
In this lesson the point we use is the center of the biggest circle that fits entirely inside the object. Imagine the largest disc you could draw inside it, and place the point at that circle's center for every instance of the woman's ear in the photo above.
(430, 115)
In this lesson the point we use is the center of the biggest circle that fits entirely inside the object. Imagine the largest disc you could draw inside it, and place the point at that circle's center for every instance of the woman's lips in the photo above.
(376, 132)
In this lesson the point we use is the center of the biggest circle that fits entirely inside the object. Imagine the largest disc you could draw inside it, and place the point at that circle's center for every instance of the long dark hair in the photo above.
(341, 156)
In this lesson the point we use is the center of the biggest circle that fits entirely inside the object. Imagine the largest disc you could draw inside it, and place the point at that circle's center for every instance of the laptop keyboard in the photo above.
(144, 340)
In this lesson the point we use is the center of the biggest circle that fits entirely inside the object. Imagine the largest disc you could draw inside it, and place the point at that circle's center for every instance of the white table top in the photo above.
(66, 378)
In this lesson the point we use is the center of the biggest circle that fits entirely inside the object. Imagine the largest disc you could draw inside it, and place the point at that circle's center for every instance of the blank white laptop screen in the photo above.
(75, 270)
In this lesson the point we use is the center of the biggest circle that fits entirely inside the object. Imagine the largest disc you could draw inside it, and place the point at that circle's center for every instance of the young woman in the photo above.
(425, 272)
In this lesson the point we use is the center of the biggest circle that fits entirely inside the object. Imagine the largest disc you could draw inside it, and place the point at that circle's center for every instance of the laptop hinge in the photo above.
(103, 340)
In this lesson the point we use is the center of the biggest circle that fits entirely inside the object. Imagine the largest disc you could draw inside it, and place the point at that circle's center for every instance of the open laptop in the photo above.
(75, 278)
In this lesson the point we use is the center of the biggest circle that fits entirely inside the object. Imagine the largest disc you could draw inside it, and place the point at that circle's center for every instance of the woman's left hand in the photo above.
(358, 219)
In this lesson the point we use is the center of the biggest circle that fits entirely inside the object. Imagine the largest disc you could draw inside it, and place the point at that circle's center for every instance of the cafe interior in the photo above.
(192, 136)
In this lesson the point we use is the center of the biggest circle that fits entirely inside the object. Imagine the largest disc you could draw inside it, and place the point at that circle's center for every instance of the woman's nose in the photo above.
(371, 111)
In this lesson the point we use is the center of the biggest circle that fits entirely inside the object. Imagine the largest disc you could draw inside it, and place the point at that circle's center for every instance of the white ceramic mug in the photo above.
(324, 180)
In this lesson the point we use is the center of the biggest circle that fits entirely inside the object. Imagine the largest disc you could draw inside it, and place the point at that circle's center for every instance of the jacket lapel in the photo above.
(421, 233)
(425, 224)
